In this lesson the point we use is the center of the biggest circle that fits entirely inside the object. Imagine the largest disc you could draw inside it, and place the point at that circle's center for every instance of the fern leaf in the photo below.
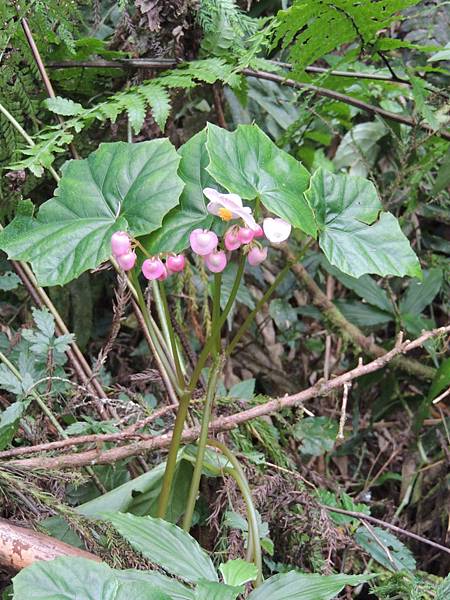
(159, 100)
(134, 104)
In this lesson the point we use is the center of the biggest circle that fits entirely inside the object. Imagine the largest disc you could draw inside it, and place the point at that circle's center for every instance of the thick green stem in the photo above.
(166, 323)
(206, 417)
(216, 327)
(252, 518)
(172, 456)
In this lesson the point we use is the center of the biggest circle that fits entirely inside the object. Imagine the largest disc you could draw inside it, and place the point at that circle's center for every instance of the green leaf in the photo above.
(9, 281)
(363, 315)
(244, 390)
(73, 578)
(443, 589)
(300, 586)
(209, 590)
(441, 379)
(170, 586)
(191, 214)
(135, 106)
(365, 287)
(420, 93)
(354, 235)
(166, 545)
(346, 502)
(284, 315)
(248, 163)
(159, 101)
(44, 320)
(443, 175)
(316, 434)
(118, 186)
(358, 148)
(9, 422)
(400, 557)
(441, 55)
(9, 381)
(63, 106)
(421, 293)
(238, 571)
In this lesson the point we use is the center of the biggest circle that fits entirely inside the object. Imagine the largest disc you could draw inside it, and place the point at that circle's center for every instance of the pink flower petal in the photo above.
(120, 243)
(276, 230)
(231, 239)
(257, 255)
(203, 242)
(176, 263)
(126, 261)
(216, 261)
(153, 268)
(245, 235)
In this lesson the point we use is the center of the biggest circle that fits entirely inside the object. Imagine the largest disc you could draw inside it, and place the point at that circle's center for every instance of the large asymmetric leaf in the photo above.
(166, 545)
(73, 578)
(299, 586)
(354, 234)
(119, 186)
(173, 236)
(248, 163)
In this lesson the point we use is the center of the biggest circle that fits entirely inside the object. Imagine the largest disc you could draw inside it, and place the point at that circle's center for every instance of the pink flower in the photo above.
(228, 207)
(276, 230)
(216, 261)
(258, 233)
(203, 242)
(176, 263)
(245, 235)
(120, 243)
(126, 261)
(231, 239)
(153, 268)
(257, 255)
(164, 275)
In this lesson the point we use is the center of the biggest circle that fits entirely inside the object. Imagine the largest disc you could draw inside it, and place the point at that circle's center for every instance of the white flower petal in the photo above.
(276, 230)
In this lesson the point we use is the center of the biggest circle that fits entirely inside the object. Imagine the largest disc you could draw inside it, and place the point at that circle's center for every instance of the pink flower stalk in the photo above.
(245, 235)
(126, 261)
(153, 268)
(276, 230)
(203, 242)
(257, 255)
(228, 207)
(231, 239)
(175, 263)
(258, 233)
(216, 261)
(120, 243)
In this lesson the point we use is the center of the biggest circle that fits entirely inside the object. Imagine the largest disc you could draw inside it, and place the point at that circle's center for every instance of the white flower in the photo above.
(276, 230)
(228, 207)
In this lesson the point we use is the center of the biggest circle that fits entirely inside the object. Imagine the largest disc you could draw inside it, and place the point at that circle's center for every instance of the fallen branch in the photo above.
(334, 317)
(362, 517)
(93, 457)
(20, 547)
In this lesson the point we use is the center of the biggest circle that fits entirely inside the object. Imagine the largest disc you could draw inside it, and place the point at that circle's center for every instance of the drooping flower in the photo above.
(245, 235)
(231, 239)
(127, 261)
(165, 274)
(153, 268)
(276, 230)
(258, 233)
(228, 207)
(175, 263)
(257, 255)
(120, 243)
(203, 242)
(216, 261)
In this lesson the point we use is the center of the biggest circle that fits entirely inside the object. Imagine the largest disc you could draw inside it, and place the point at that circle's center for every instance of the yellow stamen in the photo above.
(225, 214)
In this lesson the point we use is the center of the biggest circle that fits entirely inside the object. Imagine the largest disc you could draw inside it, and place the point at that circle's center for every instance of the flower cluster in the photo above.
(152, 268)
(229, 207)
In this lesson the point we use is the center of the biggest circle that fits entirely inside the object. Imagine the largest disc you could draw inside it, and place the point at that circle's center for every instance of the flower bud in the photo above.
(216, 261)
(231, 239)
(127, 261)
(203, 242)
(258, 233)
(276, 230)
(164, 275)
(176, 263)
(245, 235)
(153, 268)
(257, 255)
(120, 243)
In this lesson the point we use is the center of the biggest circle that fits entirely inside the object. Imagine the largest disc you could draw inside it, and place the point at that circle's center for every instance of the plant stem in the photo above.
(18, 127)
(173, 453)
(248, 321)
(216, 327)
(167, 325)
(252, 518)
(216, 309)
(206, 417)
